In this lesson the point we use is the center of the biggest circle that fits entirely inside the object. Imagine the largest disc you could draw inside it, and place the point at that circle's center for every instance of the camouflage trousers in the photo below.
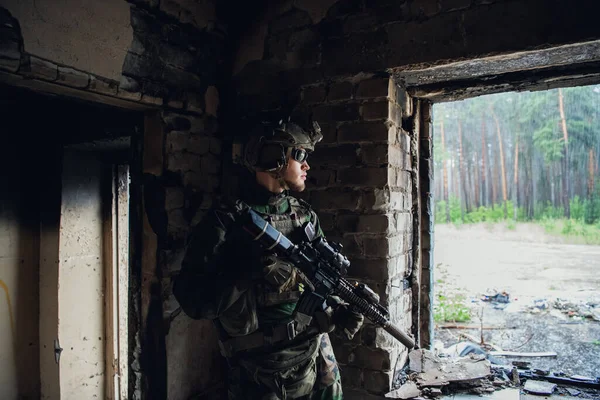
(316, 378)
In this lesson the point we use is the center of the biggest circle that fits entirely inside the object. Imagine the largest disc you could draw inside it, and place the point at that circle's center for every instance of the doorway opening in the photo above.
(517, 228)
(64, 246)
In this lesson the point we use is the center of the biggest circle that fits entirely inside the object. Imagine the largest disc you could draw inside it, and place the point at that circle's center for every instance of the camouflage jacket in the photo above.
(222, 275)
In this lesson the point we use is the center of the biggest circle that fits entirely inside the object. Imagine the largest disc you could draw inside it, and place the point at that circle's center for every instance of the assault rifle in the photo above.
(324, 266)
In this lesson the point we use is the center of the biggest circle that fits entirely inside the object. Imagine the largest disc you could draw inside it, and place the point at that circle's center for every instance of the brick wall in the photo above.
(370, 177)
(360, 182)
(329, 59)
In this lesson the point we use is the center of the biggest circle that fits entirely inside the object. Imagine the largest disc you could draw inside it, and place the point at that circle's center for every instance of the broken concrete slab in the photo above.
(440, 372)
(415, 358)
(407, 391)
(539, 387)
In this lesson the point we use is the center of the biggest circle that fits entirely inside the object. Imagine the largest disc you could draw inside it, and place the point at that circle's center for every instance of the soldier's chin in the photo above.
(296, 187)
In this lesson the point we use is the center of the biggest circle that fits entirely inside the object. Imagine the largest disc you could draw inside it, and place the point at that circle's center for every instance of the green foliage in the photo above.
(533, 121)
(547, 210)
(577, 229)
(549, 224)
(567, 227)
(511, 225)
(548, 140)
(440, 212)
(577, 208)
(591, 208)
(451, 308)
(455, 212)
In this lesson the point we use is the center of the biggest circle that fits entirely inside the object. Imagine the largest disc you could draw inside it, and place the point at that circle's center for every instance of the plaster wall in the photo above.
(19, 294)
(81, 328)
(88, 35)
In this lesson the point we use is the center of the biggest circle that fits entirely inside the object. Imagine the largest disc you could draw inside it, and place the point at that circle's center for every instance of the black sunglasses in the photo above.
(299, 155)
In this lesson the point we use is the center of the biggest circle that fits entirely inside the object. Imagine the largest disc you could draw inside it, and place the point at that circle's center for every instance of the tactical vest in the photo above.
(264, 293)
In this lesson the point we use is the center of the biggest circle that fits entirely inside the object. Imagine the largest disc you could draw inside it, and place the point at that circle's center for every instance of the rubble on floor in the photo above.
(468, 369)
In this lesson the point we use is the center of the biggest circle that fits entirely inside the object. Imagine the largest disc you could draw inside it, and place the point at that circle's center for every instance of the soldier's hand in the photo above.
(279, 273)
(345, 319)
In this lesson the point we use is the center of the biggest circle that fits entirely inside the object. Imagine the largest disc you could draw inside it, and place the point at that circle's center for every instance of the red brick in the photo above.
(383, 247)
(379, 110)
(182, 161)
(210, 164)
(372, 269)
(342, 155)
(363, 132)
(204, 182)
(352, 377)
(375, 154)
(329, 132)
(375, 359)
(313, 94)
(338, 112)
(327, 220)
(336, 199)
(321, 178)
(373, 88)
(353, 245)
(373, 177)
(340, 91)
(377, 381)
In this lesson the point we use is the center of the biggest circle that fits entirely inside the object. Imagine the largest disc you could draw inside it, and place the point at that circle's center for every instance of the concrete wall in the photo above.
(19, 291)
(87, 35)
(163, 57)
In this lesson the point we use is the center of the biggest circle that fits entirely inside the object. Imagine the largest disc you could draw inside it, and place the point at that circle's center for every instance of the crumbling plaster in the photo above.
(89, 35)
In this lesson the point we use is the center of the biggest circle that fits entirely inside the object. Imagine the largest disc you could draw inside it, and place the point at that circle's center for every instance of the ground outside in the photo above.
(534, 302)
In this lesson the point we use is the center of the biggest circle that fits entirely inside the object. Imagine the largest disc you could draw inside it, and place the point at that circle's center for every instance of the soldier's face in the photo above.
(295, 174)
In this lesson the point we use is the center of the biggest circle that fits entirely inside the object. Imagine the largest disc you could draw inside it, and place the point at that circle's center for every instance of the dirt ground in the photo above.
(544, 277)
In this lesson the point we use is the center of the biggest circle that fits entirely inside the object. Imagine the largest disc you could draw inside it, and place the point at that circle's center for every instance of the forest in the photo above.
(519, 156)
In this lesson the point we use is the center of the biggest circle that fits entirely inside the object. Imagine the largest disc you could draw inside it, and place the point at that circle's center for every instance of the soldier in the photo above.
(251, 293)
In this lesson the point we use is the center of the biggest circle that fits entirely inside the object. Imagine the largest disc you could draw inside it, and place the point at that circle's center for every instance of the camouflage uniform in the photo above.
(226, 278)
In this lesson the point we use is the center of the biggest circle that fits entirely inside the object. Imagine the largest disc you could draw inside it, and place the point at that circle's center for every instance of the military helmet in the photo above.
(289, 134)
(269, 145)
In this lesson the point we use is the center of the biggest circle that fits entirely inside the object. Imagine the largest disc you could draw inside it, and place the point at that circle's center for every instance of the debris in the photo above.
(433, 392)
(501, 297)
(539, 387)
(516, 379)
(463, 349)
(573, 392)
(541, 304)
(595, 313)
(541, 371)
(407, 391)
(518, 354)
(559, 378)
(578, 311)
(440, 372)
(485, 327)
(415, 358)
(521, 364)
(475, 340)
(581, 378)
